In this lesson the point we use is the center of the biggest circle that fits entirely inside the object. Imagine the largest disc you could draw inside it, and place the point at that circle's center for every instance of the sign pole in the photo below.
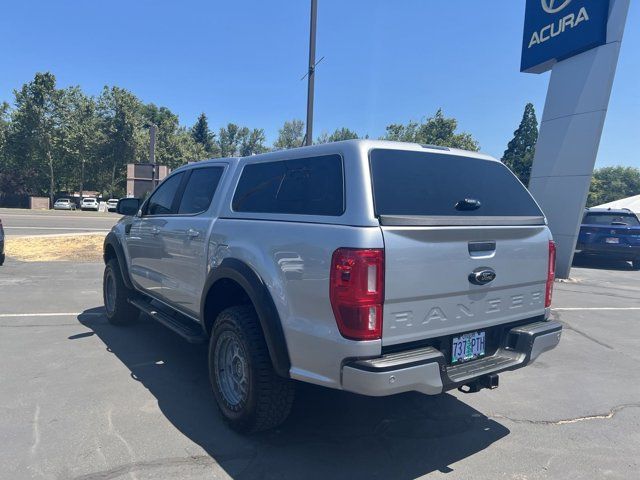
(571, 127)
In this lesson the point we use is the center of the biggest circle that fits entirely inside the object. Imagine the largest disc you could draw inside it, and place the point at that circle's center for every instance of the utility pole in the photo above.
(311, 73)
(152, 143)
(81, 178)
(152, 153)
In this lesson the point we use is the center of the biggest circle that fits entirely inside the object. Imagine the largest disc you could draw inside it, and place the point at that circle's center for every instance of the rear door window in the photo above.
(409, 183)
(199, 190)
(307, 186)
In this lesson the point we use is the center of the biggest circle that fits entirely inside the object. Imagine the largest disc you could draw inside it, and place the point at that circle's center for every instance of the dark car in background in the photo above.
(610, 233)
(1, 243)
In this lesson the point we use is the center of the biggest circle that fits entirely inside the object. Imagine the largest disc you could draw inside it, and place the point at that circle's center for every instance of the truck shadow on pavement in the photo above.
(330, 434)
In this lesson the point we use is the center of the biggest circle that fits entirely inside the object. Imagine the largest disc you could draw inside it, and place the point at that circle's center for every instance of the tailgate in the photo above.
(466, 246)
(427, 288)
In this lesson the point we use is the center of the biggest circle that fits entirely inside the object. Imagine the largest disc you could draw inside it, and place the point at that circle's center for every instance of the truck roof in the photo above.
(362, 144)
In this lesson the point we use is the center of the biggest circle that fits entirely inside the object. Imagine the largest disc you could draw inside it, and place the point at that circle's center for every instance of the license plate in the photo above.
(467, 347)
(612, 240)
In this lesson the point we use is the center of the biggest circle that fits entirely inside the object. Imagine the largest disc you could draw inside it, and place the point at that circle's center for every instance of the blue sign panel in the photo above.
(555, 30)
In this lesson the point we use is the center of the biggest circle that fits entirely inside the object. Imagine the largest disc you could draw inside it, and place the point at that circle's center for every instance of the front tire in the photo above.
(249, 393)
(116, 296)
(635, 264)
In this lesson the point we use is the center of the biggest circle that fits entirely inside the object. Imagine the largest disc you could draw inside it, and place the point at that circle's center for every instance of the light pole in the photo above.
(152, 152)
(311, 73)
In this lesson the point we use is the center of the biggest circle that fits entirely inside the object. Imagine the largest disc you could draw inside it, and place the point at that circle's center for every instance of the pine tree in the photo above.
(201, 134)
(521, 149)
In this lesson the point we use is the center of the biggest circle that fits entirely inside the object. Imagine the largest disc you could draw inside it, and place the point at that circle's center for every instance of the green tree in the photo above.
(35, 131)
(61, 139)
(120, 118)
(81, 138)
(229, 140)
(613, 183)
(13, 176)
(436, 130)
(5, 123)
(338, 135)
(290, 135)
(522, 148)
(203, 136)
(234, 141)
(174, 145)
(252, 142)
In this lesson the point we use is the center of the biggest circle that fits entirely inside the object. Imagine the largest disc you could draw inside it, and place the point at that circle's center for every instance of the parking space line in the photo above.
(56, 314)
(45, 215)
(55, 228)
(576, 309)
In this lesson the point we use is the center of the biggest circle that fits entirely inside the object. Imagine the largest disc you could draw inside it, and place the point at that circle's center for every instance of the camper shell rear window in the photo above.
(437, 188)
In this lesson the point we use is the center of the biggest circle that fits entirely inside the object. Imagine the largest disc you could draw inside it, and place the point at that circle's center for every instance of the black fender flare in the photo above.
(111, 240)
(256, 289)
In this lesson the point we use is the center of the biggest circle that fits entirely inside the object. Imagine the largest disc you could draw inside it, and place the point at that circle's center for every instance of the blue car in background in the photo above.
(610, 233)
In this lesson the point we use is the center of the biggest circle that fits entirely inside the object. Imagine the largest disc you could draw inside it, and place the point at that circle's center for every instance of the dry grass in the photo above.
(80, 248)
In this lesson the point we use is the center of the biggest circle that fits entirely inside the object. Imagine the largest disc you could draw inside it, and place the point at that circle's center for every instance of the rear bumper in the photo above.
(426, 370)
(618, 252)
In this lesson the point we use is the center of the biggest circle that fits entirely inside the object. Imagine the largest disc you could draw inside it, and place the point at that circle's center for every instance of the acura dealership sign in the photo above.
(579, 41)
(558, 29)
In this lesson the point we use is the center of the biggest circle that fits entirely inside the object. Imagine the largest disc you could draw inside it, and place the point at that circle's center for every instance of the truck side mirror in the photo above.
(128, 206)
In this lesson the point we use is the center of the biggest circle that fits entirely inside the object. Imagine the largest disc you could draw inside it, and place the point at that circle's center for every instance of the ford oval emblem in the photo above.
(482, 276)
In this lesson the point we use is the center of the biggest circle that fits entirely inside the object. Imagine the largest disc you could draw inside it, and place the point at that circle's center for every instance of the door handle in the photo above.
(155, 230)
(193, 233)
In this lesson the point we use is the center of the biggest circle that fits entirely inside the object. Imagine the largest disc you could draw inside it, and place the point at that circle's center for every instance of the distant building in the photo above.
(143, 177)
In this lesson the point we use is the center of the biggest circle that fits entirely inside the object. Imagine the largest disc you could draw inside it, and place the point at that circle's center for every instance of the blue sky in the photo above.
(241, 61)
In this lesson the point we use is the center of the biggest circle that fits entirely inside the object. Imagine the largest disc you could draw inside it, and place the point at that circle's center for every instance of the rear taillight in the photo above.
(551, 273)
(356, 290)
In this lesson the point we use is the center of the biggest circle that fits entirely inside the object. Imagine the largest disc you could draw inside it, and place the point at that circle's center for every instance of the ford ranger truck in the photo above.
(368, 266)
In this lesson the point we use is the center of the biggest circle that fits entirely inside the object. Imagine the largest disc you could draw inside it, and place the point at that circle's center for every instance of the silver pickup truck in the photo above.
(369, 266)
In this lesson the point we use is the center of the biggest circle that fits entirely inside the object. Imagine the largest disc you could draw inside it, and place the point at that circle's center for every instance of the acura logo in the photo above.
(550, 6)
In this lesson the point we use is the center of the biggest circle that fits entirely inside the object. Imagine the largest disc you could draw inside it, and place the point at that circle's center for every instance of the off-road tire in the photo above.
(269, 397)
(119, 311)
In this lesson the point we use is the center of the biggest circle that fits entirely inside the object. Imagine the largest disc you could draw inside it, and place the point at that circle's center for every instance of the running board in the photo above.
(185, 327)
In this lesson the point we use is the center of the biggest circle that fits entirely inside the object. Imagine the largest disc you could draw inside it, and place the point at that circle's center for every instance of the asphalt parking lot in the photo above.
(22, 222)
(81, 399)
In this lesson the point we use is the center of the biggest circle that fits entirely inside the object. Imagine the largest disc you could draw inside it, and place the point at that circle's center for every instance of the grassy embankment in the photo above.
(80, 248)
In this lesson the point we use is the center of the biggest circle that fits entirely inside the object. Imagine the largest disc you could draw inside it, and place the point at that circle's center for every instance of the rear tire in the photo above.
(250, 395)
(116, 296)
(635, 264)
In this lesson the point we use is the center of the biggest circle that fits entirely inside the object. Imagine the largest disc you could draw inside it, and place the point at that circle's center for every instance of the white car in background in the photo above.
(89, 204)
(64, 204)
(112, 204)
